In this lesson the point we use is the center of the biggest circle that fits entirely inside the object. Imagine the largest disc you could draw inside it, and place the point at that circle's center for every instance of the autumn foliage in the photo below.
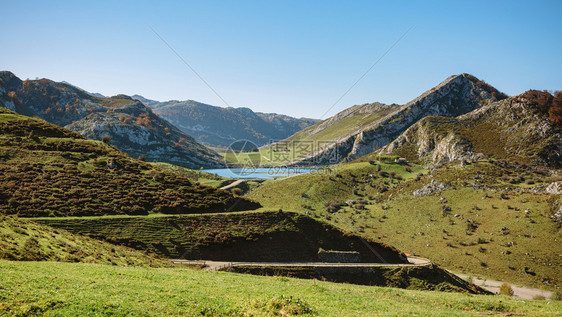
(145, 120)
(545, 104)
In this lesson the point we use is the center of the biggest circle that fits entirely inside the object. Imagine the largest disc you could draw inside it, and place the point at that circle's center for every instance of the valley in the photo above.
(463, 175)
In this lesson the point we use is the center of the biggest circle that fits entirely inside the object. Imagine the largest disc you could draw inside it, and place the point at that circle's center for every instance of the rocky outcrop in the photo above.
(555, 188)
(430, 188)
(506, 129)
(455, 96)
(120, 120)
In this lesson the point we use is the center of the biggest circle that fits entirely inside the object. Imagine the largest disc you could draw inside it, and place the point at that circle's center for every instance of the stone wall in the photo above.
(339, 256)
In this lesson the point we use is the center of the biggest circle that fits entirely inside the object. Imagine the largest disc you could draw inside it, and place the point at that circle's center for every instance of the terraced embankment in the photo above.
(249, 236)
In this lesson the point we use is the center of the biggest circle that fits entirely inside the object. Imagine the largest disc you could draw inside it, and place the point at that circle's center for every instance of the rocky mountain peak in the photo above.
(455, 96)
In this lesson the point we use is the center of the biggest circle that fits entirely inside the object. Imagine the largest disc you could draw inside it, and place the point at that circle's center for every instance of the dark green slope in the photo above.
(46, 170)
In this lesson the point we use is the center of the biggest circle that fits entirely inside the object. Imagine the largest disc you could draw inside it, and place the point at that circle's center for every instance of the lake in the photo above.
(260, 173)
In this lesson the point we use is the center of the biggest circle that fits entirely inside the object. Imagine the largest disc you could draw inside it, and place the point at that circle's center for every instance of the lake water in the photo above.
(260, 173)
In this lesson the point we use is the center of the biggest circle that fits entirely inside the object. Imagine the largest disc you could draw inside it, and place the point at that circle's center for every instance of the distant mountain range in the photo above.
(217, 126)
(127, 123)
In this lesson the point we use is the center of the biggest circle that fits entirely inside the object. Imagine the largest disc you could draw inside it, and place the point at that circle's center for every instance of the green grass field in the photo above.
(63, 289)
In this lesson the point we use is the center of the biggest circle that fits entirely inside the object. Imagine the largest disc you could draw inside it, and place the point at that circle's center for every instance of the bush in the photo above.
(505, 289)
(557, 295)
(237, 191)
(106, 139)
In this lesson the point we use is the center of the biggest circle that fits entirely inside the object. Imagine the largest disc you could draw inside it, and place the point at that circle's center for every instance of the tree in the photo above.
(237, 191)
(106, 139)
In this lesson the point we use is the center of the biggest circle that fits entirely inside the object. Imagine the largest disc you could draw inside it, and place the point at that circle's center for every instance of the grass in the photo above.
(460, 228)
(54, 289)
(24, 240)
(337, 183)
(199, 176)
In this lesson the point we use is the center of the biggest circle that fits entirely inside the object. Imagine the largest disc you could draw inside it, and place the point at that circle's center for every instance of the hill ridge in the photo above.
(132, 126)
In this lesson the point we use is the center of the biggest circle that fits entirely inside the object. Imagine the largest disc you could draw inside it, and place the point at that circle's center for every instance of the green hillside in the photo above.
(46, 170)
(64, 289)
(482, 218)
(24, 240)
(249, 236)
(326, 132)
(199, 176)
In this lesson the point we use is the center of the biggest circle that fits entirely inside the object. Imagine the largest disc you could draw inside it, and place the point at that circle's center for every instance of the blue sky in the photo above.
(291, 57)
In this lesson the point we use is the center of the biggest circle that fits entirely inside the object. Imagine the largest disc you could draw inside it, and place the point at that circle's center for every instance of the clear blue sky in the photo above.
(288, 57)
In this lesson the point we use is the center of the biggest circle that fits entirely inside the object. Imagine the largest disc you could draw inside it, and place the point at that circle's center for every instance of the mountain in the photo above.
(515, 128)
(217, 126)
(360, 130)
(132, 127)
(47, 170)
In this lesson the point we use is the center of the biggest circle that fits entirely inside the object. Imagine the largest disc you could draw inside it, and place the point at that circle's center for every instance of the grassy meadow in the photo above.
(483, 223)
(64, 289)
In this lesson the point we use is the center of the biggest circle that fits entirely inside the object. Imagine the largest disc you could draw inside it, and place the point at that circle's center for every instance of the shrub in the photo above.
(106, 139)
(505, 289)
(237, 191)
(557, 295)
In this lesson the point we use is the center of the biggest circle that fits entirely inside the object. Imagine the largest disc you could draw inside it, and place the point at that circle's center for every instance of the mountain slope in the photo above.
(360, 130)
(132, 127)
(498, 220)
(46, 170)
(217, 126)
(508, 129)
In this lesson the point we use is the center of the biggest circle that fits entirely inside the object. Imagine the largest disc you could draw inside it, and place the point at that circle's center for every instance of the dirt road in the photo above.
(518, 291)
(215, 265)
(233, 184)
